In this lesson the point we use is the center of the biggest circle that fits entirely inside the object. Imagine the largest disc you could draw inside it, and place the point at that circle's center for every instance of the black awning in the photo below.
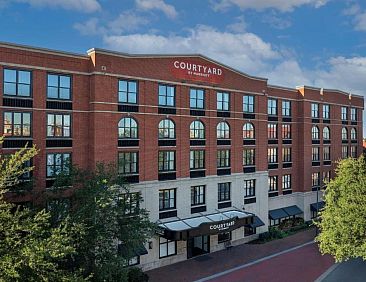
(292, 210)
(317, 206)
(138, 251)
(277, 214)
(207, 224)
(257, 222)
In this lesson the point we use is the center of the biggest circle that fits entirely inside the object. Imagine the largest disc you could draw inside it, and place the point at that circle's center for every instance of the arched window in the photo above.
(315, 133)
(353, 134)
(248, 131)
(344, 133)
(223, 130)
(166, 129)
(197, 130)
(127, 128)
(326, 133)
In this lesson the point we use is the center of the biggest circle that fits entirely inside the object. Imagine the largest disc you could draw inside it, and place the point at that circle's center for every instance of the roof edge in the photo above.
(282, 87)
(330, 90)
(42, 50)
(127, 55)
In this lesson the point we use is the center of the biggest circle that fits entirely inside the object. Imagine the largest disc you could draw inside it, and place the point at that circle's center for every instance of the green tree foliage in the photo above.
(30, 249)
(343, 220)
(101, 202)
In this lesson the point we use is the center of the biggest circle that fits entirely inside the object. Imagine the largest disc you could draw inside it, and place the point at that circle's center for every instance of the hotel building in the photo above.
(217, 155)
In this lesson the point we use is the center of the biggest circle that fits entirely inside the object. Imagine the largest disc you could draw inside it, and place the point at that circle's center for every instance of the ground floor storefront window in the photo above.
(167, 248)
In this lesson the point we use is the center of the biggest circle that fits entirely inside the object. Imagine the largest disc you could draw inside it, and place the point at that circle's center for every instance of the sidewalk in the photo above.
(197, 268)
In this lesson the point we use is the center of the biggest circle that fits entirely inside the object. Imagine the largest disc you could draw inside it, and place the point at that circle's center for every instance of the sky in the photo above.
(318, 43)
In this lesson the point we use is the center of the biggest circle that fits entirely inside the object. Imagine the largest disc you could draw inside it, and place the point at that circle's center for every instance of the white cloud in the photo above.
(357, 15)
(276, 22)
(281, 5)
(90, 27)
(245, 51)
(87, 6)
(126, 21)
(239, 26)
(167, 9)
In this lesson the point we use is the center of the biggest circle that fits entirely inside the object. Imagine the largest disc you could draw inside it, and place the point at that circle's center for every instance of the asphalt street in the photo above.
(350, 271)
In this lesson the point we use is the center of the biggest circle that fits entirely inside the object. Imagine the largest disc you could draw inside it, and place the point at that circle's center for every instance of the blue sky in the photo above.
(291, 42)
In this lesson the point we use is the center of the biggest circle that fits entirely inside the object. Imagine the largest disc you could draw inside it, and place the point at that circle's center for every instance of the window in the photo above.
(286, 131)
(326, 153)
(248, 104)
(286, 108)
(166, 95)
(198, 195)
(353, 151)
(197, 159)
(17, 124)
(130, 203)
(326, 177)
(272, 183)
(249, 188)
(326, 112)
(286, 154)
(272, 131)
(223, 158)
(58, 125)
(286, 181)
(133, 261)
(315, 133)
(344, 152)
(196, 98)
(128, 163)
(167, 199)
(315, 154)
(326, 133)
(314, 110)
(167, 248)
(223, 130)
(223, 101)
(272, 155)
(315, 179)
(17, 83)
(272, 107)
(166, 161)
(224, 191)
(353, 134)
(353, 114)
(197, 130)
(127, 128)
(127, 92)
(59, 86)
(344, 133)
(166, 129)
(248, 131)
(344, 113)
(57, 163)
(223, 237)
(249, 157)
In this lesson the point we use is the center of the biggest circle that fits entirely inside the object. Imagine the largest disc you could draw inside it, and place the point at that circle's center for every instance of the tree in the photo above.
(343, 220)
(30, 249)
(115, 224)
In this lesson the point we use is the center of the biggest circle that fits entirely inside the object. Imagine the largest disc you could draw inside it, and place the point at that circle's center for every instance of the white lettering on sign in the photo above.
(197, 70)
(222, 226)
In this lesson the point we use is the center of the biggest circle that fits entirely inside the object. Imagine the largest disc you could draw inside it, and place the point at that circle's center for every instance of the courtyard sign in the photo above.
(189, 70)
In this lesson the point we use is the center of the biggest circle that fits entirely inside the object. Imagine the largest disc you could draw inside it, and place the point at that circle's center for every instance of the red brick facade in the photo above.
(95, 113)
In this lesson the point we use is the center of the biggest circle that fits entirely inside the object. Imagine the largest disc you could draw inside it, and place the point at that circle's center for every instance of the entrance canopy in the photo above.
(208, 224)
(284, 212)
(317, 206)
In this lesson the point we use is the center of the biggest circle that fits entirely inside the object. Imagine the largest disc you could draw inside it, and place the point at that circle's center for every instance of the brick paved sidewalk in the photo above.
(194, 269)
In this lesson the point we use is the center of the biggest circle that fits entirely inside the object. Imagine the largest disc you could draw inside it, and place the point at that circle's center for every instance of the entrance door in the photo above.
(198, 246)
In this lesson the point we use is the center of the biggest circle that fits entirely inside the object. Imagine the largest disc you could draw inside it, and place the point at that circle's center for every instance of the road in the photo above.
(305, 264)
